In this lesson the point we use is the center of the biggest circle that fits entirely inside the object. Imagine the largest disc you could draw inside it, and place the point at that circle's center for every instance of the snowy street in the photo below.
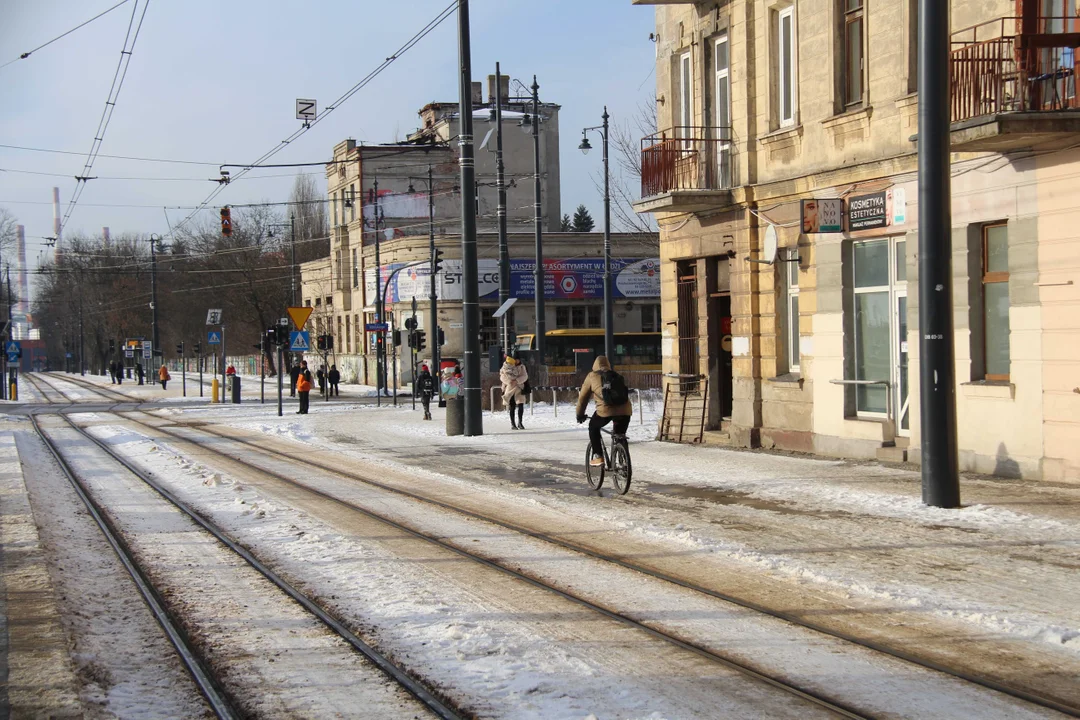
(726, 583)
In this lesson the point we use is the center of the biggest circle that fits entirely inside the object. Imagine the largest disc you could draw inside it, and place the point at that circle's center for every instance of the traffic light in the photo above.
(180, 349)
(320, 342)
(112, 346)
(436, 261)
(412, 338)
(420, 339)
(197, 348)
(410, 323)
(329, 342)
(226, 222)
(442, 337)
(397, 338)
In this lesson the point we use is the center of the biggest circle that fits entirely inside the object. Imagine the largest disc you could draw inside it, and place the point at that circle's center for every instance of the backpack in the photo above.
(613, 388)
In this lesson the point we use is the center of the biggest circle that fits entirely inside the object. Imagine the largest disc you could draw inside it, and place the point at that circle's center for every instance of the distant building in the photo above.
(341, 287)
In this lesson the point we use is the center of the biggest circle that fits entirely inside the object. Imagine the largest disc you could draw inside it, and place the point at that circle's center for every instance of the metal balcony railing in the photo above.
(1012, 64)
(686, 158)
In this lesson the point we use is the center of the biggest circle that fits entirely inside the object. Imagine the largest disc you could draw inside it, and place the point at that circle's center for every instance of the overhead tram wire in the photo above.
(412, 42)
(110, 105)
(58, 37)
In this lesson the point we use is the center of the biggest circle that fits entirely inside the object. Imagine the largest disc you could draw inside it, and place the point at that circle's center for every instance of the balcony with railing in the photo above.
(1013, 84)
(686, 169)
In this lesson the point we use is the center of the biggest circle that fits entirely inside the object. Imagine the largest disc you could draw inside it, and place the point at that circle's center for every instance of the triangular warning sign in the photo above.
(299, 316)
(214, 338)
(300, 342)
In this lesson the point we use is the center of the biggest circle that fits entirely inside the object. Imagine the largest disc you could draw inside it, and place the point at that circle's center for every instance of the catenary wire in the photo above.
(58, 37)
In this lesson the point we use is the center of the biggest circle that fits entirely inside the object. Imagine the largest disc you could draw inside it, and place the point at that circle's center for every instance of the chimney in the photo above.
(477, 93)
(504, 81)
(105, 236)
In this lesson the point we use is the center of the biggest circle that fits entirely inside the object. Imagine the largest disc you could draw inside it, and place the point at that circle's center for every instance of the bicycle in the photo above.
(616, 462)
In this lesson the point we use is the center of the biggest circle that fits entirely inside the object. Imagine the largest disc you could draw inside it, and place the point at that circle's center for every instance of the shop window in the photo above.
(650, 318)
(995, 281)
(562, 317)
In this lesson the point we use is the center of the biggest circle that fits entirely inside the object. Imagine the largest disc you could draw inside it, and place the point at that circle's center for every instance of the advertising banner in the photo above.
(578, 279)
(866, 212)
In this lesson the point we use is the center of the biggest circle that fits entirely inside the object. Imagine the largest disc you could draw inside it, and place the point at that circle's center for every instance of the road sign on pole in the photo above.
(299, 341)
(213, 317)
(377, 327)
(300, 316)
(306, 109)
(147, 349)
(213, 338)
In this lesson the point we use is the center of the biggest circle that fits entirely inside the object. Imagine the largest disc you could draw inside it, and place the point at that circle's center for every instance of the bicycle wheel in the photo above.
(594, 474)
(620, 468)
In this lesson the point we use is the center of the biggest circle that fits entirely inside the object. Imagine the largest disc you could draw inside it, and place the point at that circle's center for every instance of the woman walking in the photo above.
(163, 376)
(514, 378)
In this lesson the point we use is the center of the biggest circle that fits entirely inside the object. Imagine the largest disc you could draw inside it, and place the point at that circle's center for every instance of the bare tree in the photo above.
(625, 149)
(310, 218)
(8, 233)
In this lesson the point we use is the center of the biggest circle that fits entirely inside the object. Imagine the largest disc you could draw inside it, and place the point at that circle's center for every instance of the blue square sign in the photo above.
(299, 341)
(213, 337)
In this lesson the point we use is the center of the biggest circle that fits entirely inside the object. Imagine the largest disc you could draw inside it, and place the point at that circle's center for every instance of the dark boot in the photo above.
(513, 425)
(521, 413)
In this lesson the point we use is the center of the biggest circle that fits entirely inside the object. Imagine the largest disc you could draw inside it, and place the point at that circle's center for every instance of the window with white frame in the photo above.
(686, 95)
(723, 108)
(355, 271)
(791, 308)
(785, 63)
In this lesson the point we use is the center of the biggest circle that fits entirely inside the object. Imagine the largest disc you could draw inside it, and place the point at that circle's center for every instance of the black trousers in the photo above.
(334, 389)
(426, 399)
(163, 384)
(622, 422)
(520, 409)
(305, 401)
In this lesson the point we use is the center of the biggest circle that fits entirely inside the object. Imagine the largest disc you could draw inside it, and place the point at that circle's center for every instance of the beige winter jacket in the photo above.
(513, 376)
(593, 388)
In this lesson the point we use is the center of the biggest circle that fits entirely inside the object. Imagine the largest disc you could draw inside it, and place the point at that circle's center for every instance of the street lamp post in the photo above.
(609, 312)
(500, 181)
(153, 298)
(380, 343)
(538, 271)
(433, 295)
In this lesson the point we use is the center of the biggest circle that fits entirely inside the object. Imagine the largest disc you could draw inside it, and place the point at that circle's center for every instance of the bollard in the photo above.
(455, 416)
(493, 387)
(555, 401)
(235, 383)
(214, 390)
(641, 410)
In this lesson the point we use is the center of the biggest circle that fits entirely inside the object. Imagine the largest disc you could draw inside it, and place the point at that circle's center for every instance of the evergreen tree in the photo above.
(583, 221)
(565, 225)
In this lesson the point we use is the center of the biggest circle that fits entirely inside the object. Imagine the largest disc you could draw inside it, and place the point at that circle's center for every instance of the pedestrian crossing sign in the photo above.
(213, 338)
(299, 341)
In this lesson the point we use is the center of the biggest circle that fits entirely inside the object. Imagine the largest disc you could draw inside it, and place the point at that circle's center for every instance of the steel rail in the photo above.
(413, 686)
(810, 696)
(1052, 703)
(200, 674)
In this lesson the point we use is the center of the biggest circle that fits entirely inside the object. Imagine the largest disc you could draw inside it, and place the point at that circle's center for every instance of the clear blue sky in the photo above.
(217, 81)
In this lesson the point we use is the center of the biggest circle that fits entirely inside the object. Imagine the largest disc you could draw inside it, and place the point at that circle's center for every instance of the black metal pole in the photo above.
(280, 379)
(609, 298)
(937, 391)
(183, 369)
(538, 272)
(433, 297)
(380, 343)
(153, 301)
(200, 363)
(412, 356)
(82, 338)
(500, 182)
(470, 271)
(292, 269)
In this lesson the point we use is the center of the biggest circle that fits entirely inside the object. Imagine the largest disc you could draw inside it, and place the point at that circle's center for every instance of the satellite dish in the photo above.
(769, 253)
(486, 138)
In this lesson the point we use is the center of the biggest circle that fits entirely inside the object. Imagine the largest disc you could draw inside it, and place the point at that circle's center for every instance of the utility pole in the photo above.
(380, 343)
(609, 297)
(412, 354)
(500, 182)
(153, 299)
(937, 367)
(82, 338)
(292, 270)
(470, 272)
(433, 296)
(538, 271)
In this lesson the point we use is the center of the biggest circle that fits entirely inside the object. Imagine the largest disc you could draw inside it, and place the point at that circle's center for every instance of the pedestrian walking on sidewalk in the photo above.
(321, 375)
(163, 376)
(112, 372)
(294, 375)
(303, 388)
(139, 372)
(425, 386)
(334, 377)
(514, 378)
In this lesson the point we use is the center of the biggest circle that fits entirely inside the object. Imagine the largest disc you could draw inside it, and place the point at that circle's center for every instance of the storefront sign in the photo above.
(866, 212)
(823, 216)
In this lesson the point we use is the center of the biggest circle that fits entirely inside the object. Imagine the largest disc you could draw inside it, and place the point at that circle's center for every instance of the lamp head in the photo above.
(585, 146)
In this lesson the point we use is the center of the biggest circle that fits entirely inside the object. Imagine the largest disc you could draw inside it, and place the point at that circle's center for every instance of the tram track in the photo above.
(1052, 703)
(172, 625)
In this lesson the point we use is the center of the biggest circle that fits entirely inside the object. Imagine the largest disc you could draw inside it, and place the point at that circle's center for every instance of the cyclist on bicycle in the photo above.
(608, 389)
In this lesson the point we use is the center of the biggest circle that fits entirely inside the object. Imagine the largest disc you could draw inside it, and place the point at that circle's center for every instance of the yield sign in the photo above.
(299, 316)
